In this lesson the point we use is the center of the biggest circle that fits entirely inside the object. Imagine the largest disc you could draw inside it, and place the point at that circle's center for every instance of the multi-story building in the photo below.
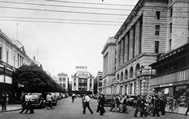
(109, 62)
(138, 42)
(153, 27)
(63, 81)
(82, 81)
(98, 83)
(12, 56)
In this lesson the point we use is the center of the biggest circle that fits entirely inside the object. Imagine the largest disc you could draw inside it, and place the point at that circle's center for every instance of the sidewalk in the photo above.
(12, 107)
(181, 110)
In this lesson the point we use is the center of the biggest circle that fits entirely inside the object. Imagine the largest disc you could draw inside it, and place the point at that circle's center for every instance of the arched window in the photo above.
(64, 79)
(131, 72)
(60, 79)
(126, 74)
(118, 77)
(137, 69)
(121, 76)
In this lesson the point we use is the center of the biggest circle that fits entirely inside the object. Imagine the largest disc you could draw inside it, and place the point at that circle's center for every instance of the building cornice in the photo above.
(129, 18)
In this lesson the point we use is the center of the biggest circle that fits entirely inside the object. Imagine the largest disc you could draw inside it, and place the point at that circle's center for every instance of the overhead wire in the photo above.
(66, 6)
(146, 24)
(63, 11)
(45, 21)
(89, 3)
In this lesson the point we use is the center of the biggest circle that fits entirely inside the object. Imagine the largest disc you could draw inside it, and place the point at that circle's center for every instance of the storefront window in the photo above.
(180, 95)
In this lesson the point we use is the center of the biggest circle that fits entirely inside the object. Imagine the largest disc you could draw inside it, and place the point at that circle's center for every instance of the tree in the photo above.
(34, 79)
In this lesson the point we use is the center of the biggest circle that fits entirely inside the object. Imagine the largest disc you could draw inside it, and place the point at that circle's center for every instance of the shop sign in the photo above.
(166, 85)
(181, 87)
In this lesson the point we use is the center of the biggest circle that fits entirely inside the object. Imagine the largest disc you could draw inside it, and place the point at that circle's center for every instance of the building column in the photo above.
(131, 48)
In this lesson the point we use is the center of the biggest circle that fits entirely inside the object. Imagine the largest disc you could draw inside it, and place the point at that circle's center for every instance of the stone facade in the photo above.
(12, 56)
(153, 27)
(82, 80)
(109, 63)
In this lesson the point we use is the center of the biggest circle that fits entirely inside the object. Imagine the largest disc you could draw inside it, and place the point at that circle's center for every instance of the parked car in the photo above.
(131, 100)
(38, 101)
(107, 100)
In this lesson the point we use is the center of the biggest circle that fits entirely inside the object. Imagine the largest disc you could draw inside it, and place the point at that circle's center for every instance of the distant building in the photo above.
(98, 83)
(63, 81)
(109, 63)
(82, 81)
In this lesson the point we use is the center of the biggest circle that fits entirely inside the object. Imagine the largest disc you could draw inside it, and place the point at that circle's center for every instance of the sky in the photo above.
(63, 34)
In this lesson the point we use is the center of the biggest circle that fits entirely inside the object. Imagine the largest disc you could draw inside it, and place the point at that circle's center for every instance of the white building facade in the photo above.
(12, 56)
(82, 81)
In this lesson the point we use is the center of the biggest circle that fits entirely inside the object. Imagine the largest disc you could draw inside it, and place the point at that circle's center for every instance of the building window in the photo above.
(156, 46)
(171, 12)
(170, 25)
(0, 53)
(170, 41)
(158, 15)
(7, 56)
(157, 29)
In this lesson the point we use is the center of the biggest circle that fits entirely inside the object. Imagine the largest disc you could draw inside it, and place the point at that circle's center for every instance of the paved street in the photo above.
(68, 110)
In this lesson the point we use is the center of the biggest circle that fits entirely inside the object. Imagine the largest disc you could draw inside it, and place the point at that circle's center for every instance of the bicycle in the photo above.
(49, 105)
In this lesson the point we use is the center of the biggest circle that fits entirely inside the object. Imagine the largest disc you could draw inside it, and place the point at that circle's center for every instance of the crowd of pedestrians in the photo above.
(119, 103)
(146, 105)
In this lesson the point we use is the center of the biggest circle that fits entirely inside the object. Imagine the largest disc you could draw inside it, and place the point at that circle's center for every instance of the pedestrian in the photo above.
(118, 108)
(49, 100)
(24, 103)
(140, 107)
(98, 105)
(124, 103)
(101, 104)
(73, 97)
(4, 100)
(162, 105)
(112, 103)
(29, 101)
(143, 107)
(83, 102)
(187, 110)
(156, 106)
(87, 98)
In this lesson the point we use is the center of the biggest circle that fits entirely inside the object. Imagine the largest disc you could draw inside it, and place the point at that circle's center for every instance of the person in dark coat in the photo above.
(101, 105)
(138, 106)
(124, 103)
(113, 102)
(24, 104)
(4, 100)
(143, 107)
(98, 105)
(156, 106)
(162, 105)
(187, 110)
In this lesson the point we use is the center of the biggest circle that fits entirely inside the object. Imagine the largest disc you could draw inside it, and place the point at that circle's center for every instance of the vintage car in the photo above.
(107, 100)
(38, 101)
